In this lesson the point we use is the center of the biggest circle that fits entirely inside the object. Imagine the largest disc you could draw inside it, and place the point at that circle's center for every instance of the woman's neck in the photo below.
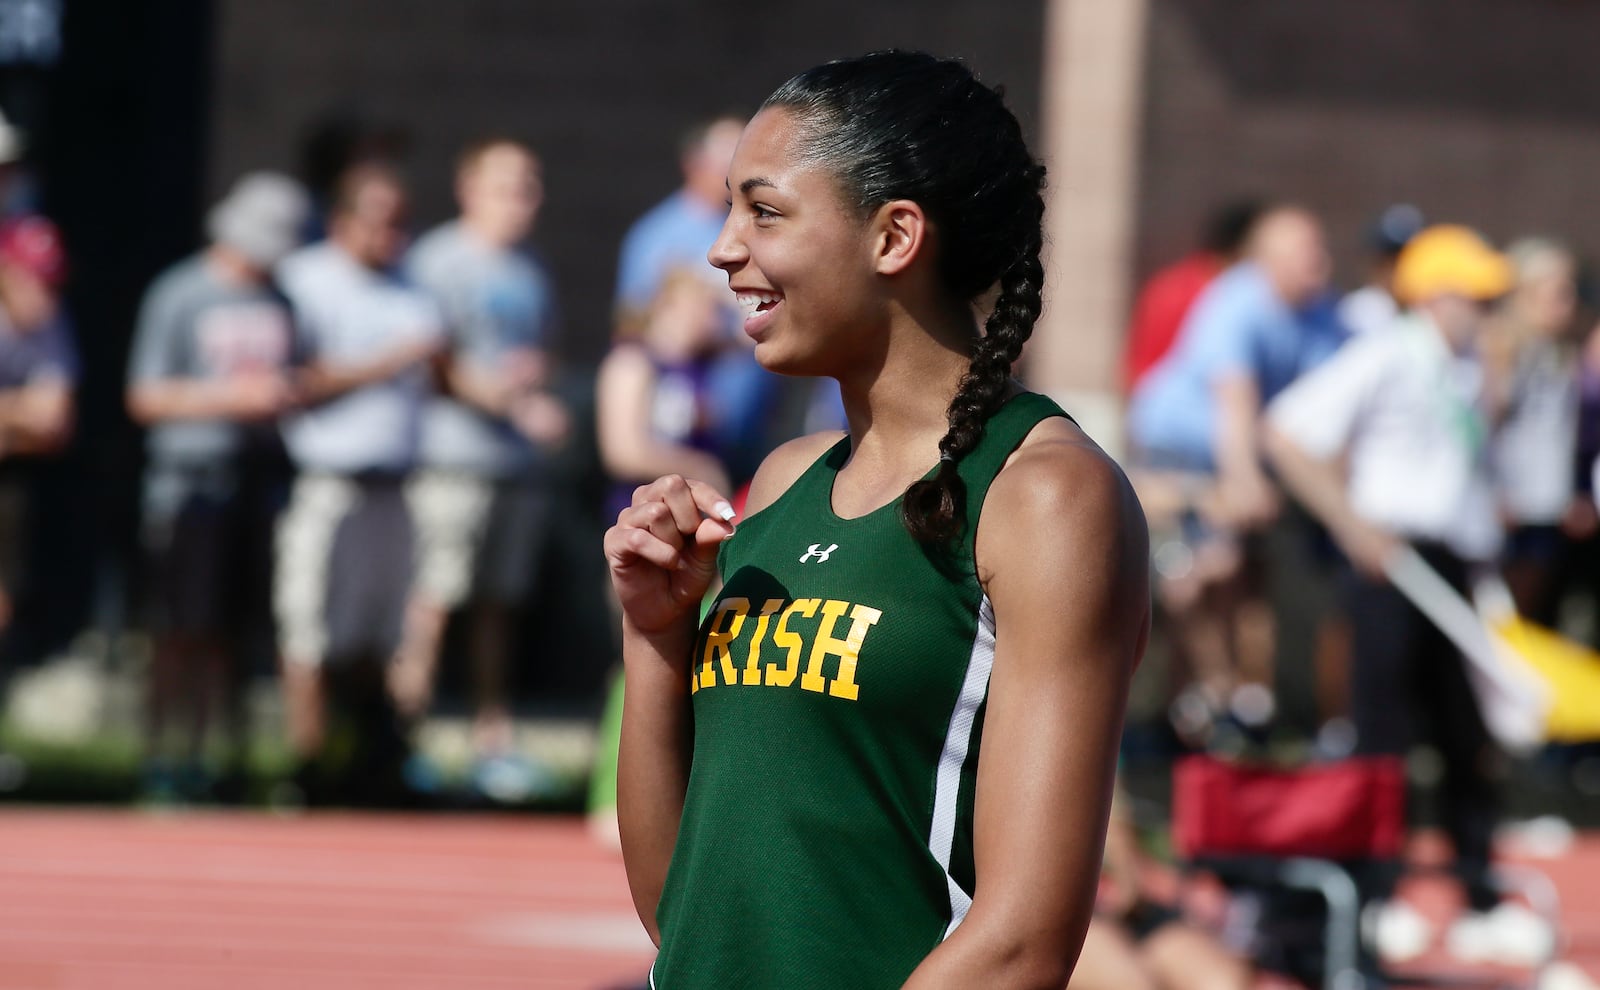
(898, 411)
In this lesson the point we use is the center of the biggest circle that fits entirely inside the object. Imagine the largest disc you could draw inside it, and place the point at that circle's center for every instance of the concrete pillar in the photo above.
(1093, 89)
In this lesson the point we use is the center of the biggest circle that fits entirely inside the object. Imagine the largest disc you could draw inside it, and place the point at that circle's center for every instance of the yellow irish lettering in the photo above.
(752, 664)
(862, 618)
(789, 641)
(718, 641)
(812, 680)
(848, 650)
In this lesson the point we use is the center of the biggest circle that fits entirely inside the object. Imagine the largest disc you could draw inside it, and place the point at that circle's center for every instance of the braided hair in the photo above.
(906, 125)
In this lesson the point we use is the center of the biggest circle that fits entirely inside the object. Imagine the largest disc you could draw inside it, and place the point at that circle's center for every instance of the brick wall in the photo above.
(600, 88)
(1480, 111)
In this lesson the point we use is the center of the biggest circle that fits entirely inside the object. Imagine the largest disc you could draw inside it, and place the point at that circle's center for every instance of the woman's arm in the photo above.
(662, 557)
(1320, 486)
(323, 381)
(249, 396)
(36, 418)
(1063, 555)
(653, 758)
(670, 521)
(628, 446)
(1247, 497)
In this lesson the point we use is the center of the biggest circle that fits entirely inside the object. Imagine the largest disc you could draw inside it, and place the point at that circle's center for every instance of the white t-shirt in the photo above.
(349, 314)
(1369, 309)
(1402, 409)
(1532, 450)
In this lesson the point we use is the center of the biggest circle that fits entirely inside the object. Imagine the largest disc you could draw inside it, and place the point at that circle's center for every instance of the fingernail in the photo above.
(724, 510)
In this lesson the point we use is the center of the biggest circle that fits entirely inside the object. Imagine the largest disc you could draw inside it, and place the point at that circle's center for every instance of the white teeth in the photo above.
(752, 301)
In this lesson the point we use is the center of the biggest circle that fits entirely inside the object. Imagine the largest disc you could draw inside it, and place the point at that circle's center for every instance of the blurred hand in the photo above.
(421, 350)
(1245, 502)
(522, 370)
(1369, 548)
(410, 684)
(1581, 520)
(541, 417)
(662, 553)
(260, 394)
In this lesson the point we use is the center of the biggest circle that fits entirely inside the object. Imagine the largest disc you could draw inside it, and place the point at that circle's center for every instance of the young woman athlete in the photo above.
(885, 758)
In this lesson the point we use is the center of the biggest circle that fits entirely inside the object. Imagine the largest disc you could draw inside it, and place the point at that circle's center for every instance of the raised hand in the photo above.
(662, 552)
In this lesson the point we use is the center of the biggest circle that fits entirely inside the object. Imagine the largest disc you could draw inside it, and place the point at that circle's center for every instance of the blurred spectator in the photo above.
(17, 193)
(1531, 367)
(1193, 429)
(1583, 566)
(481, 503)
(1162, 304)
(1138, 943)
(344, 546)
(209, 374)
(677, 232)
(1373, 307)
(38, 372)
(653, 397)
(332, 144)
(653, 406)
(751, 410)
(1385, 444)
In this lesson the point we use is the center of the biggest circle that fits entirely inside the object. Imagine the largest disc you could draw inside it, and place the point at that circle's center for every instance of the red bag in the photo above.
(1350, 810)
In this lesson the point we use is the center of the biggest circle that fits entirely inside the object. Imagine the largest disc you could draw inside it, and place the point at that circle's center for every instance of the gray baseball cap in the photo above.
(261, 217)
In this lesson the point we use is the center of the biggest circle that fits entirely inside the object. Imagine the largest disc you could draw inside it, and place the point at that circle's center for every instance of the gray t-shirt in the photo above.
(195, 324)
(348, 315)
(494, 301)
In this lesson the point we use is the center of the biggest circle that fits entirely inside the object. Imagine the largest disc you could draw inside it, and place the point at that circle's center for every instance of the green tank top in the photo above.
(839, 684)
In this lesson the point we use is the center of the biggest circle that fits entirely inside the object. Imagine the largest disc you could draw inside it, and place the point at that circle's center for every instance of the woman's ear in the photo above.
(900, 234)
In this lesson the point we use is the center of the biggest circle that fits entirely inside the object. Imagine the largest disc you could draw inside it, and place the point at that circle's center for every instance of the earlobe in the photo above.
(902, 229)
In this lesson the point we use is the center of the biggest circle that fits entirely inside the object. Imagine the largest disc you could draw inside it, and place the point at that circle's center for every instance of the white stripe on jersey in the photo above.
(957, 744)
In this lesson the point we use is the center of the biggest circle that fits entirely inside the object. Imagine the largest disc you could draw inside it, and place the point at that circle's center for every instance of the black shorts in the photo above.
(208, 549)
(515, 537)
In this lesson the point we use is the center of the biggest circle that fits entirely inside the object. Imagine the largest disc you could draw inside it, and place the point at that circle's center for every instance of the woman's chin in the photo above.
(771, 356)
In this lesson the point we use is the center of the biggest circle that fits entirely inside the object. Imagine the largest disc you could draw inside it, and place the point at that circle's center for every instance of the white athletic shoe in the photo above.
(1510, 934)
(1566, 976)
(1395, 930)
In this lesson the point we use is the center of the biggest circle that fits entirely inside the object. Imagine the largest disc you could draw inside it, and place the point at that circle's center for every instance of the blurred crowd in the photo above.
(350, 426)
(1450, 404)
(1340, 452)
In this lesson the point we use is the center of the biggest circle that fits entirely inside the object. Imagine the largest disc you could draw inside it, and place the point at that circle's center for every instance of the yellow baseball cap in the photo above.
(1450, 259)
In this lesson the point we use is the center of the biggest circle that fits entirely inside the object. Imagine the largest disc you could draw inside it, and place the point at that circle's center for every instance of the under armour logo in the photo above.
(819, 553)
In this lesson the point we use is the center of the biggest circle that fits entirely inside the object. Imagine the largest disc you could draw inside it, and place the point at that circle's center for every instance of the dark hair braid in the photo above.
(906, 125)
(934, 509)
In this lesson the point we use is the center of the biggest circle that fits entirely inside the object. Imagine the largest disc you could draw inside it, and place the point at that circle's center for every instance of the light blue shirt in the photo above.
(1238, 326)
(676, 233)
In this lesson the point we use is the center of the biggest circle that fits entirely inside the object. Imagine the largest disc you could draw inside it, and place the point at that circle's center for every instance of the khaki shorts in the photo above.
(345, 563)
(451, 514)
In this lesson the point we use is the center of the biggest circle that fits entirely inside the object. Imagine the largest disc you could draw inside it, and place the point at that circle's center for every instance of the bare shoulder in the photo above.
(784, 466)
(1060, 492)
(625, 360)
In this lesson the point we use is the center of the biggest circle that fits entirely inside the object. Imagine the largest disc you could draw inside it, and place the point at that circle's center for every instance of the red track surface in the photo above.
(124, 901)
(96, 900)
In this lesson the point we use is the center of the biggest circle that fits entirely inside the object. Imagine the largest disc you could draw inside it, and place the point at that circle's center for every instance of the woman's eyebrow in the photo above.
(755, 182)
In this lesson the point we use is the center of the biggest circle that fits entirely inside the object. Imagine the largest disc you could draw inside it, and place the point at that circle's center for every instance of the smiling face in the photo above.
(799, 257)
(500, 191)
(369, 221)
